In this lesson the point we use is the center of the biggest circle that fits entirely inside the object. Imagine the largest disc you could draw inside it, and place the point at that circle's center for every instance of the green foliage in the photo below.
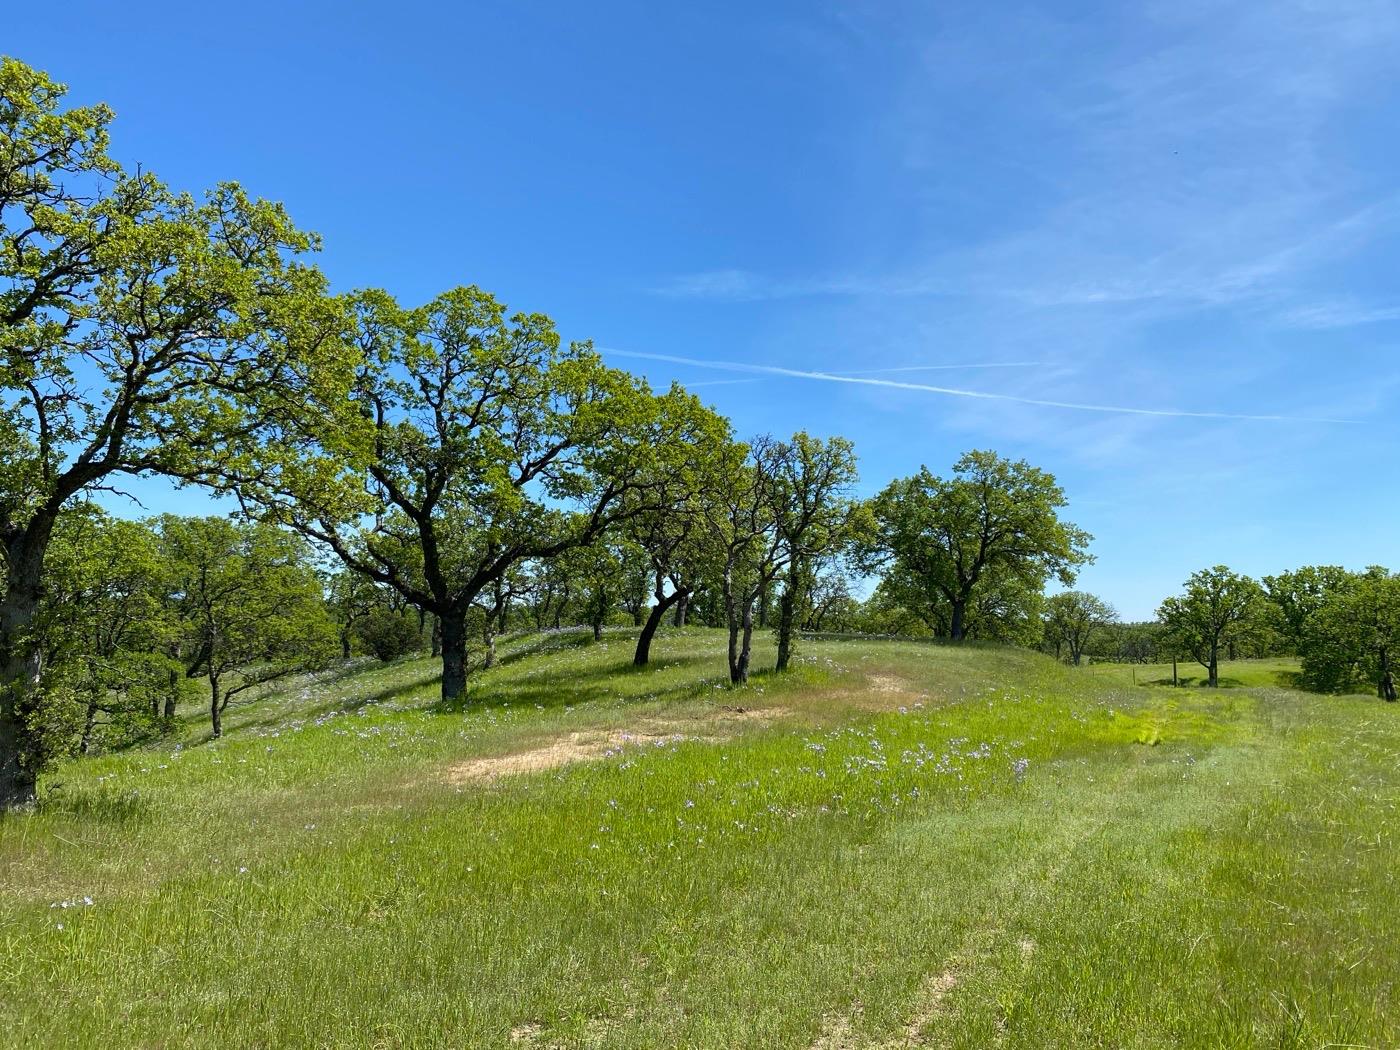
(388, 634)
(493, 444)
(249, 604)
(1217, 608)
(814, 517)
(1351, 637)
(1072, 620)
(991, 531)
(1297, 595)
(106, 632)
(142, 330)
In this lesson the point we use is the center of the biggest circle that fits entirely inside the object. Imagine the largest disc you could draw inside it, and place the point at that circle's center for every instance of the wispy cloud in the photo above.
(1338, 314)
(981, 395)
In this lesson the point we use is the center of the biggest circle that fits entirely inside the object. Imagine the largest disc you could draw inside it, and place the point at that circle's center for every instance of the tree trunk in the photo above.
(1214, 667)
(763, 607)
(345, 642)
(956, 627)
(787, 614)
(682, 607)
(1386, 689)
(746, 649)
(435, 639)
(216, 708)
(597, 628)
(20, 665)
(454, 657)
(89, 721)
(658, 613)
(172, 693)
(489, 638)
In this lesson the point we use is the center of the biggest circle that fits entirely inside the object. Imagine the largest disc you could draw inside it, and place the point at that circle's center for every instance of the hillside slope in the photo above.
(895, 845)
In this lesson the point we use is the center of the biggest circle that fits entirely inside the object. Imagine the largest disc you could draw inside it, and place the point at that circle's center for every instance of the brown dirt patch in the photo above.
(888, 683)
(587, 745)
(576, 747)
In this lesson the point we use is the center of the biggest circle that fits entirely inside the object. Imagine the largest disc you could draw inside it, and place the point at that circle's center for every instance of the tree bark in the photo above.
(787, 613)
(682, 607)
(746, 649)
(216, 708)
(957, 626)
(20, 664)
(89, 721)
(1386, 689)
(1214, 667)
(454, 657)
(658, 613)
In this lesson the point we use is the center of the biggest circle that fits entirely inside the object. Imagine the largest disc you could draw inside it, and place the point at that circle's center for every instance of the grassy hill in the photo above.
(895, 845)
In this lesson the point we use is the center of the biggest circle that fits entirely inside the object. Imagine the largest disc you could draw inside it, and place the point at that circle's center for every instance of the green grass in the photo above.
(1281, 672)
(894, 845)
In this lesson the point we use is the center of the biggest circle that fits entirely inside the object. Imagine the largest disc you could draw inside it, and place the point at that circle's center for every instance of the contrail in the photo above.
(938, 368)
(981, 395)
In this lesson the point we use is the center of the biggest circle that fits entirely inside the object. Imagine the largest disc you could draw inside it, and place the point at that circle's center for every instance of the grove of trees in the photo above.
(425, 478)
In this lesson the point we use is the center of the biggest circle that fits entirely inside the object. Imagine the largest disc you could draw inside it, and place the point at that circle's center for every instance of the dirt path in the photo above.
(591, 744)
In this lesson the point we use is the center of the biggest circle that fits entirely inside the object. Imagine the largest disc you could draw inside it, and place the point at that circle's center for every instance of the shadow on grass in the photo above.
(1198, 682)
(570, 687)
(99, 805)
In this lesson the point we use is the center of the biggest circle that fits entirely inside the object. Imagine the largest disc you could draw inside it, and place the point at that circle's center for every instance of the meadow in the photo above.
(893, 845)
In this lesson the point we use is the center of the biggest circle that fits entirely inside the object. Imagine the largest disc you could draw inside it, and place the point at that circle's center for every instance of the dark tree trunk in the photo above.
(741, 674)
(1386, 689)
(597, 630)
(20, 663)
(454, 657)
(958, 624)
(787, 614)
(345, 642)
(1214, 667)
(216, 707)
(763, 607)
(658, 613)
(435, 641)
(682, 607)
(89, 722)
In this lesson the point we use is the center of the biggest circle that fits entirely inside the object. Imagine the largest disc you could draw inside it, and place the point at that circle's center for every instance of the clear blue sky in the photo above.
(1178, 206)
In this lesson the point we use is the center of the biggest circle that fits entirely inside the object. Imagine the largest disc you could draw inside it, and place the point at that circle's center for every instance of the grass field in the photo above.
(895, 845)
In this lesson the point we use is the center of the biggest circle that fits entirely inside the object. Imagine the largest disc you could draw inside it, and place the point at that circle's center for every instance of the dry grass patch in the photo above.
(590, 744)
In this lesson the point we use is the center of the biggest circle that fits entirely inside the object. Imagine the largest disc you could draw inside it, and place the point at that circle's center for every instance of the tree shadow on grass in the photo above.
(1197, 682)
(571, 687)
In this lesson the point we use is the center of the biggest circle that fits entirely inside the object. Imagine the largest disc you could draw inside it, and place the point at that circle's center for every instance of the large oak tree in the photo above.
(493, 444)
(994, 519)
(140, 329)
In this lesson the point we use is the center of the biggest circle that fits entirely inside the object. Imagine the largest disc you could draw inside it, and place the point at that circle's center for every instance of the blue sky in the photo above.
(1178, 207)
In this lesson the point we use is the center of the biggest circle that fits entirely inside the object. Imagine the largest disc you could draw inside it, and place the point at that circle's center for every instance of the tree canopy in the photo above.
(943, 540)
